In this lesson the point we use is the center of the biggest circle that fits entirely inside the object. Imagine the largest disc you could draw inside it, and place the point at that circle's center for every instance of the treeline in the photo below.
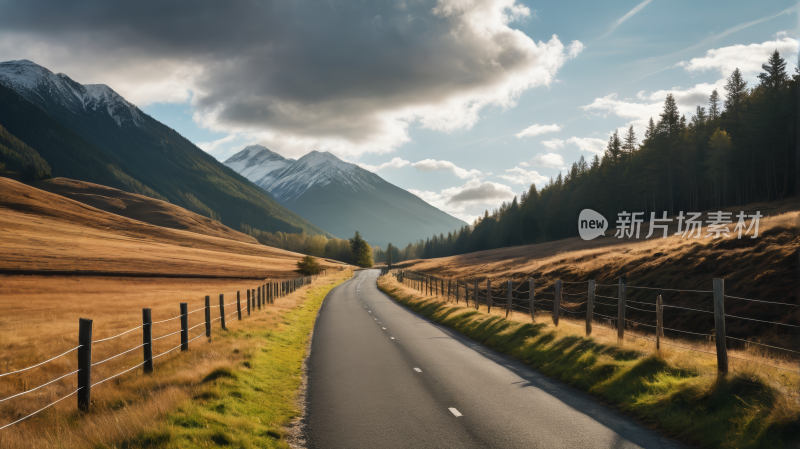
(737, 150)
(354, 251)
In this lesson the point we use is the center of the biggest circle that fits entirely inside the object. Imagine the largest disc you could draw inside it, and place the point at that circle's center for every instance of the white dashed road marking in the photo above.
(455, 412)
(417, 370)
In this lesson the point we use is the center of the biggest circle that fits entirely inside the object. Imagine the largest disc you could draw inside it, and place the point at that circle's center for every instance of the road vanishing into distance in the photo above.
(380, 376)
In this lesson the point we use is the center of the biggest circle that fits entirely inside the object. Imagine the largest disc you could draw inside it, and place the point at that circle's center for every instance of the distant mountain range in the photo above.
(341, 197)
(90, 133)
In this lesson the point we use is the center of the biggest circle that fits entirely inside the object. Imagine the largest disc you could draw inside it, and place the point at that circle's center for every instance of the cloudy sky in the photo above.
(462, 102)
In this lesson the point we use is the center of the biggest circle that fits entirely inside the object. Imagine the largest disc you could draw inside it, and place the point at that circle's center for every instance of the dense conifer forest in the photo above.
(738, 149)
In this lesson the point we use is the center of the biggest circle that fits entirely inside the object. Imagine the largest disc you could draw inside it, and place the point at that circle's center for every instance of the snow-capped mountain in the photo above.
(257, 163)
(40, 85)
(341, 197)
(287, 179)
(91, 133)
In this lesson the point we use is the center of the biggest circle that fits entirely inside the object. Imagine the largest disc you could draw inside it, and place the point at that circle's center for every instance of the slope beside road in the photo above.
(382, 376)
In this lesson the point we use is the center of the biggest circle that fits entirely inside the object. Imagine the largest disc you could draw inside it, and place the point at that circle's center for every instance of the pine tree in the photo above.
(774, 76)
(630, 141)
(736, 88)
(670, 124)
(713, 105)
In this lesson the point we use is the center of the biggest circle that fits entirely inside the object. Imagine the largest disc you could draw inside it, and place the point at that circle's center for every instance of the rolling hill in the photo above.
(90, 133)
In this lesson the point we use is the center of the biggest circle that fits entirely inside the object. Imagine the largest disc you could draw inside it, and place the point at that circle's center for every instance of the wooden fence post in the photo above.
(488, 296)
(458, 287)
(208, 316)
(659, 322)
(184, 326)
(84, 364)
(248, 302)
(531, 297)
(508, 298)
(466, 292)
(590, 307)
(147, 339)
(476, 294)
(719, 325)
(239, 304)
(259, 297)
(557, 302)
(623, 283)
(222, 310)
(449, 288)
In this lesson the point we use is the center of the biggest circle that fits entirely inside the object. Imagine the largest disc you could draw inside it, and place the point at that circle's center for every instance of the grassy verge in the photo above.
(249, 405)
(678, 392)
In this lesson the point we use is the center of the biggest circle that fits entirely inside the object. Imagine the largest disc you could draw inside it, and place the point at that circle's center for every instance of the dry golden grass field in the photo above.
(78, 261)
(764, 268)
(43, 231)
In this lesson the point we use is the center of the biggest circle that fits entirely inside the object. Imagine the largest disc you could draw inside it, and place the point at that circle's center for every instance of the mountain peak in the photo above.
(43, 87)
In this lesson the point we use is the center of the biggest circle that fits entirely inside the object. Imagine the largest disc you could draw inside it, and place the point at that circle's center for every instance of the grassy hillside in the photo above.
(764, 268)
(153, 160)
(49, 232)
(676, 390)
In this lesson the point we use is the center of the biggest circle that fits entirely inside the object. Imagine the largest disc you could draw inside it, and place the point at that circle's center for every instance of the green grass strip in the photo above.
(248, 407)
(683, 398)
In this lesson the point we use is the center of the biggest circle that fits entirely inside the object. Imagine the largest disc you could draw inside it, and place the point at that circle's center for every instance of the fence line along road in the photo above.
(265, 294)
(513, 299)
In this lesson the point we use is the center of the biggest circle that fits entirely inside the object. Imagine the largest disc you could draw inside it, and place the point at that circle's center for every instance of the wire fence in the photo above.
(580, 299)
(262, 295)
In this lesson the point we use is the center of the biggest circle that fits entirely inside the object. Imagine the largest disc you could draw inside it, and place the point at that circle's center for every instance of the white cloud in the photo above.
(549, 160)
(537, 129)
(553, 144)
(521, 176)
(627, 16)
(220, 148)
(524, 164)
(747, 58)
(394, 163)
(328, 85)
(469, 200)
(589, 144)
(428, 165)
(575, 48)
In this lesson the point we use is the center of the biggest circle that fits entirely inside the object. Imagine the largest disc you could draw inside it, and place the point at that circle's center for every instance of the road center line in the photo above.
(455, 412)
(419, 371)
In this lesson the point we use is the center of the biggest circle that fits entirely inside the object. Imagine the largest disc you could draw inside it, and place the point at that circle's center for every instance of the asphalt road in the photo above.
(381, 376)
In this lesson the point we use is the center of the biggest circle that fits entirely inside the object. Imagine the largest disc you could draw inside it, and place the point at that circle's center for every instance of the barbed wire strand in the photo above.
(118, 374)
(668, 289)
(168, 335)
(641, 310)
(40, 386)
(40, 364)
(685, 332)
(168, 319)
(761, 321)
(119, 335)
(37, 411)
(115, 356)
(761, 300)
(687, 308)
